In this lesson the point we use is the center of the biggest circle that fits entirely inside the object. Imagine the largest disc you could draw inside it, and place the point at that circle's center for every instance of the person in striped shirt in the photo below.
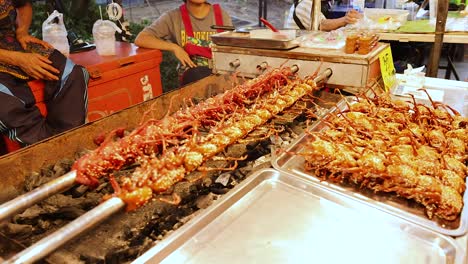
(299, 17)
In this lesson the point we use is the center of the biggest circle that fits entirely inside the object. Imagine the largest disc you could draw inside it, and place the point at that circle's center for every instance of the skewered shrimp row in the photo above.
(159, 173)
(415, 151)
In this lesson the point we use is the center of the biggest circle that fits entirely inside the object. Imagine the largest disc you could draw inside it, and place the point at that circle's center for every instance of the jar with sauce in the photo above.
(351, 44)
(365, 43)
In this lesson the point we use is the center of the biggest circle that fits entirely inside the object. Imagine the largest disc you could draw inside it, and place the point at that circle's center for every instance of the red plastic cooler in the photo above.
(117, 82)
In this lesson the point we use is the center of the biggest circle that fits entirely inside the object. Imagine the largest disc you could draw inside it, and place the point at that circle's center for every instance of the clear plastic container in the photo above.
(104, 37)
(55, 33)
(381, 15)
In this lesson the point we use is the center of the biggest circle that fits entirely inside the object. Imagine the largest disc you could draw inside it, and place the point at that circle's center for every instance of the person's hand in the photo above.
(24, 39)
(352, 16)
(37, 66)
(183, 57)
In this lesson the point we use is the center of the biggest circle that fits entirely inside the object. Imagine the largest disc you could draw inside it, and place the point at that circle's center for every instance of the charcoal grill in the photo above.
(32, 158)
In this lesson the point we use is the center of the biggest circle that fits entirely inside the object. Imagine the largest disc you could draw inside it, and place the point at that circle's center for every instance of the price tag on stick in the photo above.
(387, 68)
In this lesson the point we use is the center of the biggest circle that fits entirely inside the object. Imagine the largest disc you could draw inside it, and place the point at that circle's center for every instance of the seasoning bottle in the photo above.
(365, 44)
(351, 43)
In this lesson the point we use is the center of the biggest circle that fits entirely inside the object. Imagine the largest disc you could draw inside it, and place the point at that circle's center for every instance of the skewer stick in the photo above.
(26, 200)
(324, 75)
(60, 237)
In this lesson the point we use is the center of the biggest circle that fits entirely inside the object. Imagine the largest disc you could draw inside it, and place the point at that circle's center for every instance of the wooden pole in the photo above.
(442, 11)
(315, 13)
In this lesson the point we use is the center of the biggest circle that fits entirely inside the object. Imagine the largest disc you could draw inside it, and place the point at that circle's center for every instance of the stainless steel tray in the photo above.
(272, 217)
(237, 39)
(293, 164)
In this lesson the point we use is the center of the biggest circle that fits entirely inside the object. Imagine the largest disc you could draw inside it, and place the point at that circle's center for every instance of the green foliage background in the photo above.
(83, 28)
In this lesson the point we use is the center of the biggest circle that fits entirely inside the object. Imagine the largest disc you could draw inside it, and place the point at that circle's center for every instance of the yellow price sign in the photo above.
(387, 68)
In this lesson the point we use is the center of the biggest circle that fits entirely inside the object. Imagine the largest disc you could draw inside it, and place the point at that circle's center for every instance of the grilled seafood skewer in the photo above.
(152, 135)
(158, 174)
(414, 151)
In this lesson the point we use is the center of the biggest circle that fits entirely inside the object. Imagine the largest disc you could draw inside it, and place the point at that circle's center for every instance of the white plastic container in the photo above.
(104, 37)
(396, 15)
(55, 33)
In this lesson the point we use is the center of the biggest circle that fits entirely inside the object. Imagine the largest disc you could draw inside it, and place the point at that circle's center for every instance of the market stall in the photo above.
(127, 235)
(257, 163)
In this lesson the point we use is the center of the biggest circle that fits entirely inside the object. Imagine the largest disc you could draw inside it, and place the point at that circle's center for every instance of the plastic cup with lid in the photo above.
(104, 36)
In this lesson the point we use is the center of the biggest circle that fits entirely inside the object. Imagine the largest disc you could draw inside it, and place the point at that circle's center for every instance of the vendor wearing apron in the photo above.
(186, 32)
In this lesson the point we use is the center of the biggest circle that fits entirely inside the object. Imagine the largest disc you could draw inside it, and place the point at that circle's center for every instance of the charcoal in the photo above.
(205, 201)
(57, 201)
(47, 171)
(219, 190)
(17, 229)
(34, 180)
(223, 178)
(62, 167)
(102, 186)
(236, 150)
(29, 214)
(238, 174)
(182, 189)
(206, 182)
(252, 145)
(87, 259)
(233, 183)
(245, 170)
(68, 213)
(44, 225)
(79, 191)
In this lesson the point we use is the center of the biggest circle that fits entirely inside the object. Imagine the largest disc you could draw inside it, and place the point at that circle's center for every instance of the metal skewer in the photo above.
(42, 192)
(79, 225)
(324, 75)
(60, 237)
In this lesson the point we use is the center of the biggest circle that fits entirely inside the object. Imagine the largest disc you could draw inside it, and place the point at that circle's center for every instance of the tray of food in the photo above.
(405, 158)
(259, 39)
(272, 217)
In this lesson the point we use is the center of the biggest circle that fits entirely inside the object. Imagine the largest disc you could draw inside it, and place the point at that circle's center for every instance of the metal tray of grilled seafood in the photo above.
(272, 217)
(289, 162)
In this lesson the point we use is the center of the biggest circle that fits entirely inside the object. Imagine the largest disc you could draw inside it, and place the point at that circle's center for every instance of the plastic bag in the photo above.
(55, 33)
(324, 40)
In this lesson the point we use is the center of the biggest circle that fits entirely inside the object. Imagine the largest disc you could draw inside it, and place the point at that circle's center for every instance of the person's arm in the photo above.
(146, 40)
(351, 17)
(23, 22)
(332, 24)
(35, 65)
(23, 19)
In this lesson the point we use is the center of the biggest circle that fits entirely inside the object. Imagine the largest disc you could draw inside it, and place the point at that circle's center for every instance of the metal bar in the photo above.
(50, 243)
(260, 12)
(26, 200)
(324, 75)
(442, 11)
